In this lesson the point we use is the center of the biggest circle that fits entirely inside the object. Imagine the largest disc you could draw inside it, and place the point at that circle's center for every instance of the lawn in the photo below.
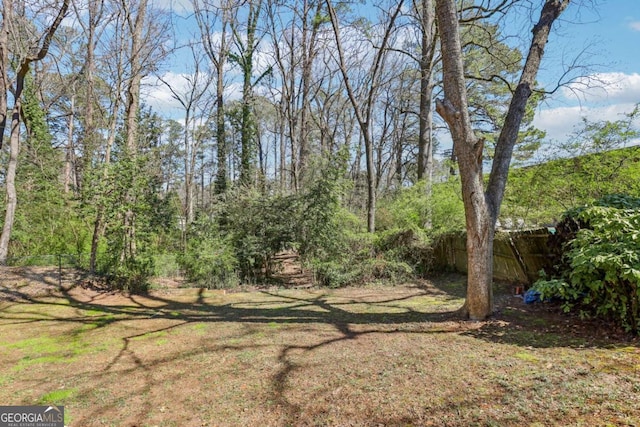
(366, 356)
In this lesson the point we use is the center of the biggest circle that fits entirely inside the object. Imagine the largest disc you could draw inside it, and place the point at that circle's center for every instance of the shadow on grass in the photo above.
(351, 318)
(272, 307)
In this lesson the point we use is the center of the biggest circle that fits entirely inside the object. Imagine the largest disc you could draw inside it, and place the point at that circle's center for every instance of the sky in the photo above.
(608, 39)
(601, 36)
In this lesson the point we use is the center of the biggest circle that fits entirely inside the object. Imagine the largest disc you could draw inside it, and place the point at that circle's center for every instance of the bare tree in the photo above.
(246, 44)
(213, 19)
(193, 100)
(296, 47)
(95, 21)
(363, 107)
(425, 12)
(36, 51)
(482, 205)
(115, 64)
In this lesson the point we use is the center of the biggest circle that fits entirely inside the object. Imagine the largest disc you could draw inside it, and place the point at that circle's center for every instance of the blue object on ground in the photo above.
(532, 296)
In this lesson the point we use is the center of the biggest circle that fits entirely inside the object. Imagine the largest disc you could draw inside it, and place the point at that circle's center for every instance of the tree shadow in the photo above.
(350, 318)
(100, 310)
(449, 284)
(545, 325)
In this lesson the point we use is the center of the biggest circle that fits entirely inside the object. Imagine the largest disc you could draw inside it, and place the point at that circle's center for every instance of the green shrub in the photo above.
(407, 208)
(256, 228)
(210, 263)
(132, 275)
(413, 209)
(448, 208)
(413, 248)
(344, 266)
(167, 265)
(602, 262)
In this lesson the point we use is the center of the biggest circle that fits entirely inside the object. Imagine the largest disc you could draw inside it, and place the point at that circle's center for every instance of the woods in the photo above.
(225, 135)
(270, 213)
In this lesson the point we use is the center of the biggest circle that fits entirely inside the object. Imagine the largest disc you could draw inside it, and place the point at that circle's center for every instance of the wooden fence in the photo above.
(518, 256)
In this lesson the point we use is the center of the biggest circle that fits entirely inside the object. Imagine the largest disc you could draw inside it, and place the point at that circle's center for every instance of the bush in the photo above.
(210, 262)
(344, 266)
(413, 248)
(412, 209)
(240, 240)
(601, 274)
(131, 276)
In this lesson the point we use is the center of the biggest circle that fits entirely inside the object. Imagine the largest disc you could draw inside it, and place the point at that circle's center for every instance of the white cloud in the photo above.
(561, 122)
(605, 88)
(634, 25)
(180, 7)
(157, 95)
(601, 96)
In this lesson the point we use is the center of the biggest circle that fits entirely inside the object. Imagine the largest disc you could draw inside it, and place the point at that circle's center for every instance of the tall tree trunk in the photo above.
(247, 124)
(425, 144)
(216, 49)
(69, 154)
(14, 150)
(10, 182)
(94, 18)
(291, 113)
(283, 152)
(482, 208)
(308, 49)
(7, 13)
(136, 25)
(189, 167)
(399, 149)
(221, 137)
(363, 114)
(99, 226)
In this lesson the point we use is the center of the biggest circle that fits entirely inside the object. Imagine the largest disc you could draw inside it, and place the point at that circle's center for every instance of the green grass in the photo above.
(57, 397)
(394, 356)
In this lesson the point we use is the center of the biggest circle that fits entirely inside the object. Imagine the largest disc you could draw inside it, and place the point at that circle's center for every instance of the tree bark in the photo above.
(10, 182)
(14, 150)
(363, 114)
(482, 207)
(136, 24)
(425, 145)
(7, 13)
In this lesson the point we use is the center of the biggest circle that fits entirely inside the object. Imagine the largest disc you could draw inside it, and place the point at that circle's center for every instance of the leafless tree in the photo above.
(213, 18)
(363, 106)
(195, 101)
(36, 49)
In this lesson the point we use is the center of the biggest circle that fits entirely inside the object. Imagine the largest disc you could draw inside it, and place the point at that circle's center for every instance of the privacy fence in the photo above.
(518, 256)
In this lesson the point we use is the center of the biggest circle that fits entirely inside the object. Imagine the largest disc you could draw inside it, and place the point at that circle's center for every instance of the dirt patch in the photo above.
(366, 356)
(23, 283)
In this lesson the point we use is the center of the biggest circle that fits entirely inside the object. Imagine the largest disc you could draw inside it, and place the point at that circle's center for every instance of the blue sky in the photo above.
(609, 36)
(603, 36)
